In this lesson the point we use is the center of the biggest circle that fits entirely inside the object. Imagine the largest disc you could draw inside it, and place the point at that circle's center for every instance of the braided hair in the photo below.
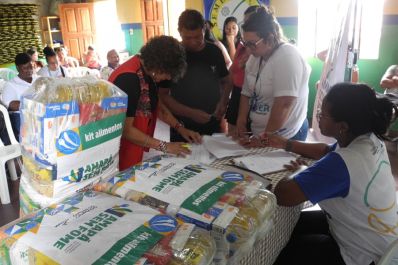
(361, 108)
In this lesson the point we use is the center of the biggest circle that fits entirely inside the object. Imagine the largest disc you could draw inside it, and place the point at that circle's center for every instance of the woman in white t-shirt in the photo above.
(352, 182)
(275, 90)
(52, 69)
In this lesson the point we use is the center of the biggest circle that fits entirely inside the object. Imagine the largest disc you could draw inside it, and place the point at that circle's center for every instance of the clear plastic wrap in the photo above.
(95, 228)
(70, 132)
(234, 207)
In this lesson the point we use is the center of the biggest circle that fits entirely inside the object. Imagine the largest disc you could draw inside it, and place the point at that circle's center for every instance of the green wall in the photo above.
(133, 37)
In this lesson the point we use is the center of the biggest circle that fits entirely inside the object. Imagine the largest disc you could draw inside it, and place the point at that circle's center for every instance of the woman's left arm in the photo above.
(166, 116)
(280, 112)
(289, 193)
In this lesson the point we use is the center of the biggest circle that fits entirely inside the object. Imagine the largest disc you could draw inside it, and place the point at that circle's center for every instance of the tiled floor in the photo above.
(10, 212)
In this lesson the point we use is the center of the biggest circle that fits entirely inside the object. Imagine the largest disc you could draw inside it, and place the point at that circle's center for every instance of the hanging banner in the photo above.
(335, 65)
(218, 10)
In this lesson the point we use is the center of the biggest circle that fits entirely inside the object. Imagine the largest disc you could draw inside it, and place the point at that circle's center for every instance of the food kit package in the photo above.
(70, 132)
(234, 207)
(31, 201)
(96, 228)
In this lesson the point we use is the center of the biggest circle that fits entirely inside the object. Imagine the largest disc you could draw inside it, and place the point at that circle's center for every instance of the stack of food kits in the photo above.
(70, 136)
(96, 228)
(234, 207)
(19, 29)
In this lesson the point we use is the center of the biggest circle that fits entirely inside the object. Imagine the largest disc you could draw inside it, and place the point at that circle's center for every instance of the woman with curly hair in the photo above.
(162, 58)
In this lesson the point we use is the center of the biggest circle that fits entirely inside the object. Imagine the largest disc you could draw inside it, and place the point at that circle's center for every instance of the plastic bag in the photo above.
(70, 132)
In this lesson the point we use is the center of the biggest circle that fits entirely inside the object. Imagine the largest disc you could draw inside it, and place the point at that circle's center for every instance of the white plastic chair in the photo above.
(83, 71)
(391, 255)
(7, 155)
(7, 74)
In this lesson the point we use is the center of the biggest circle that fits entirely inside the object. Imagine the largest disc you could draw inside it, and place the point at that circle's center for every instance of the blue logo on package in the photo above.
(68, 142)
(163, 223)
(232, 176)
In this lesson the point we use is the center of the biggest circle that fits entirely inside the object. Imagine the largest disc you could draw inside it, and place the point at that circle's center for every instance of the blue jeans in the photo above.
(301, 135)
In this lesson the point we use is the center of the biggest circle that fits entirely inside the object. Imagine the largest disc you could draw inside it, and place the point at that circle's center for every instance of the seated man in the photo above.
(199, 100)
(389, 81)
(16, 87)
(113, 63)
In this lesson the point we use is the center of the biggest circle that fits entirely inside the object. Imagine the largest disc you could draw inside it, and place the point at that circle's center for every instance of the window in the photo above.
(318, 20)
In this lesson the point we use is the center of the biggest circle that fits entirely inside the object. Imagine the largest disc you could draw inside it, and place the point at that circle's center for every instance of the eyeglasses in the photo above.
(252, 45)
(319, 115)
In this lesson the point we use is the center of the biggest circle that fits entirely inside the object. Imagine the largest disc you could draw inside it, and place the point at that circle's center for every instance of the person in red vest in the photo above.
(162, 58)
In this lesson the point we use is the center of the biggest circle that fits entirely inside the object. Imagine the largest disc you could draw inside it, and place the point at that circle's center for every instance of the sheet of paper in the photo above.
(222, 146)
(267, 162)
(200, 154)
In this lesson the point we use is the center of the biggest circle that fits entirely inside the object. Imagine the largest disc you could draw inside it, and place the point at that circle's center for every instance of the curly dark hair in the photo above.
(166, 55)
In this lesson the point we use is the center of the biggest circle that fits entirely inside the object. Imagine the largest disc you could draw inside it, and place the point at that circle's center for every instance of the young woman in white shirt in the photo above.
(53, 68)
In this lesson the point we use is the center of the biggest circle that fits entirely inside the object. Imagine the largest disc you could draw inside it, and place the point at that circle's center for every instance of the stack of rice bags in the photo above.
(234, 207)
(70, 136)
(96, 228)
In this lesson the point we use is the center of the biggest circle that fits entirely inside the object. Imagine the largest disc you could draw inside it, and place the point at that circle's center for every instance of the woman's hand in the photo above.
(190, 136)
(178, 149)
(250, 141)
(296, 164)
(230, 39)
(274, 140)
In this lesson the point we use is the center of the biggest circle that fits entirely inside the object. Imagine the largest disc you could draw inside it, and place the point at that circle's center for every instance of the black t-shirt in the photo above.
(200, 86)
(130, 84)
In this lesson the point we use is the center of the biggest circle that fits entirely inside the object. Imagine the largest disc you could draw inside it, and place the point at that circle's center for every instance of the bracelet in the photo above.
(162, 147)
(289, 145)
(178, 125)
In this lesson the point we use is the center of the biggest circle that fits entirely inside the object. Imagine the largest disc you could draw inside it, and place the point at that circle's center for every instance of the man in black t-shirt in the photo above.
(199, 100)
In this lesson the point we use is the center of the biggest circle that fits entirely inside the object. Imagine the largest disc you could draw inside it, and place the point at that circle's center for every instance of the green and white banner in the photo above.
(179, 182)
(89, 228)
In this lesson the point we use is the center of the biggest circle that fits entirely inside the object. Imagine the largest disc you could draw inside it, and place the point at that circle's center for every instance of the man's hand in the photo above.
(190, 136)
(200, 116)
(220, 110)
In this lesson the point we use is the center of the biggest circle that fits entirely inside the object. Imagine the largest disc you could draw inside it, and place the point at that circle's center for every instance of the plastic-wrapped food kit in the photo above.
(95, 228)
(234, 207)
(70, 132)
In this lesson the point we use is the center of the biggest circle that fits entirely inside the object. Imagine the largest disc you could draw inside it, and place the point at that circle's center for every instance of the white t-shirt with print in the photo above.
(14, 89)
(364, 223)
(285, 73)
(355, 187)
